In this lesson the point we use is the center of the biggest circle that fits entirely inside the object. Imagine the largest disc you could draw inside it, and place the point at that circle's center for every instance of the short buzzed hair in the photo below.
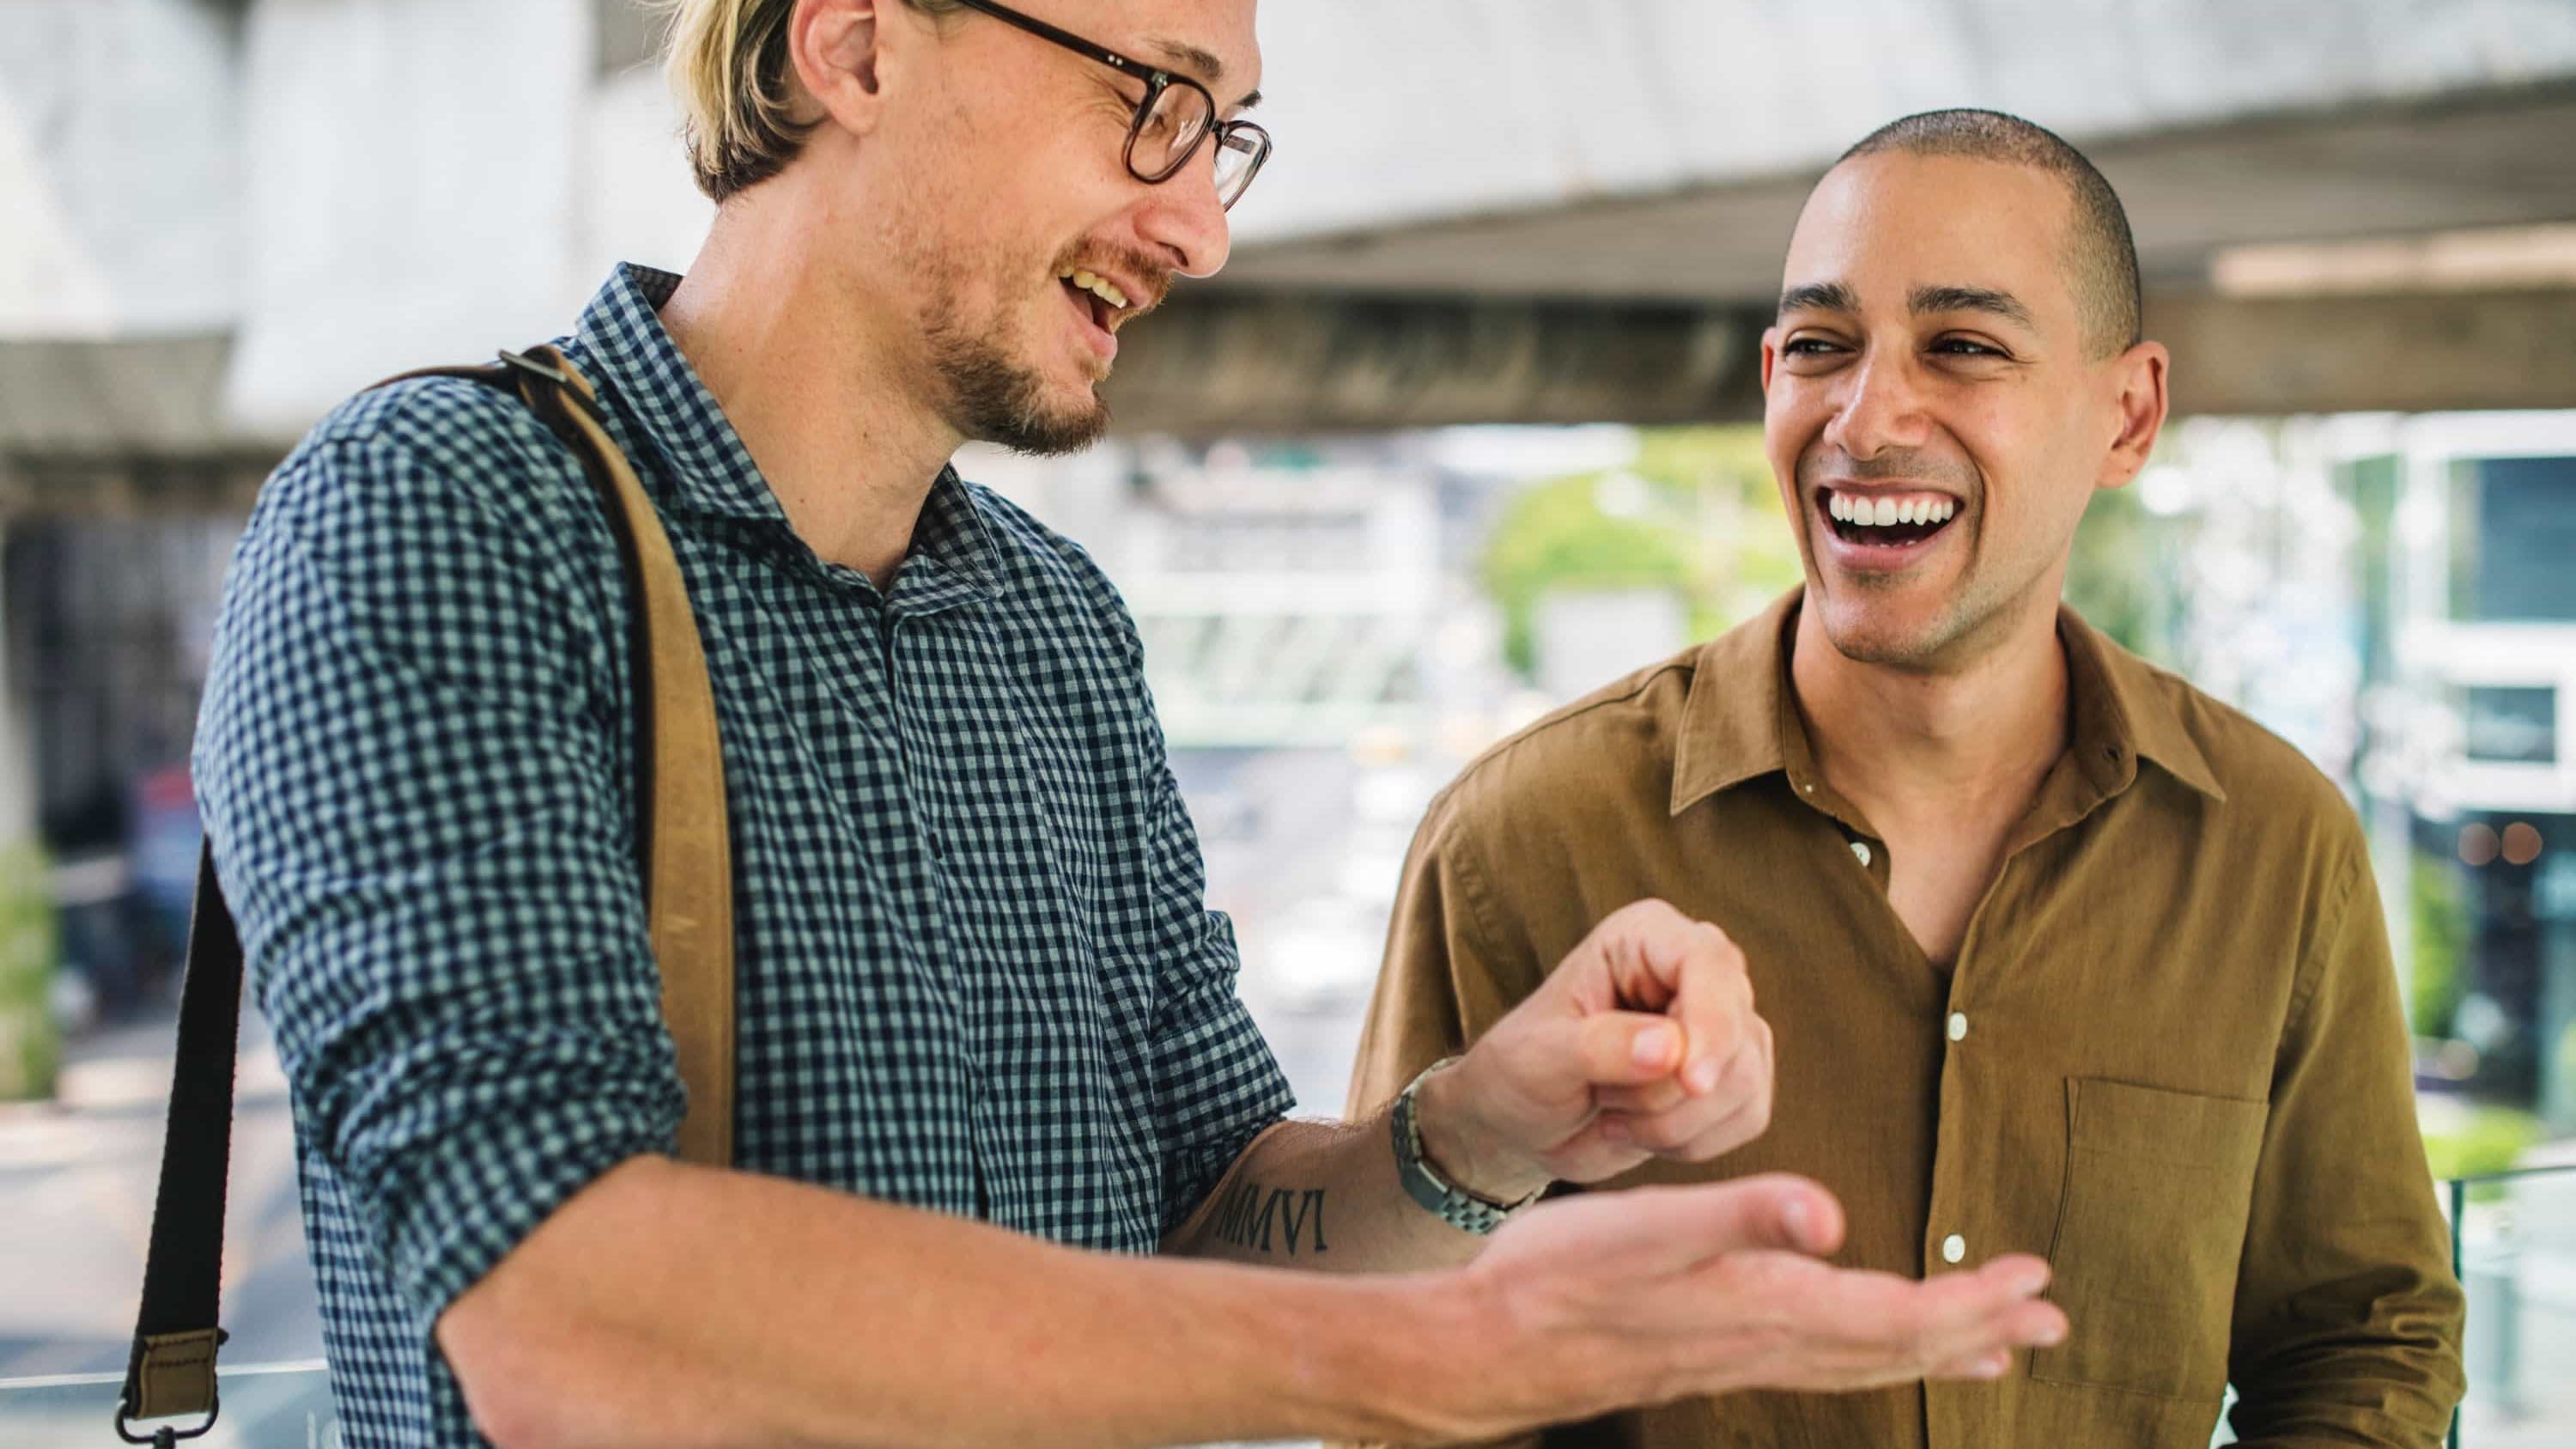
(2101, 260)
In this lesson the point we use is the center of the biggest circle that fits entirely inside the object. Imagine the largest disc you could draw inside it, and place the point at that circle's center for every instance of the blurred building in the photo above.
(2486, 645)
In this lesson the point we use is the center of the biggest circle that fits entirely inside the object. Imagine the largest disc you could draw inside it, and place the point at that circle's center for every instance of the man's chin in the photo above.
(1052, 433)
(1021, 409)
(1870, 627)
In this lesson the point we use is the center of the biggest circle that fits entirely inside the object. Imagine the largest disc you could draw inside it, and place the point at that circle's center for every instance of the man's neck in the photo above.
(814, 390)
(1965, 743)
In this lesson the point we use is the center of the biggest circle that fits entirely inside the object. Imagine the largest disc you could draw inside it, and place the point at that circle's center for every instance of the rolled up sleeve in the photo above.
(2348, 1317)
(1215, 1083)
(411, 764)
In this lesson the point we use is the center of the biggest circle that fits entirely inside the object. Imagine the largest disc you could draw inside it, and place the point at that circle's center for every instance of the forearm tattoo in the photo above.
(1251, 1212)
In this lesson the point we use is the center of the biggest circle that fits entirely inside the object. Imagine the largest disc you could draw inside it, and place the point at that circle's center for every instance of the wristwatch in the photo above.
(1453, 1205)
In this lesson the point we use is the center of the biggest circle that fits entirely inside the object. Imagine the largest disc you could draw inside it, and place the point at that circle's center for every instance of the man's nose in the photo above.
(1881, 408)
(1183, 215)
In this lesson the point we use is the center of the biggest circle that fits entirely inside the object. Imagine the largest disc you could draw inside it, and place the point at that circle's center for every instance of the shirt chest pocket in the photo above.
(2149, 1230)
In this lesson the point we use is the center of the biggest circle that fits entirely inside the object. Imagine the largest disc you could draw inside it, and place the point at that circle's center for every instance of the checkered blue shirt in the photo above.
(976, 971)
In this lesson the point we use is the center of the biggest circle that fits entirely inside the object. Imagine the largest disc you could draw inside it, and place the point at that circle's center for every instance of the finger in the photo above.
(1713, 1000)
(1625, 1048)
(1640, 948)
(1708, 1127)
(2032, 1324)
(1992, 1365)
(1653, 1098)
(1698, 1128)
(1997, 1306)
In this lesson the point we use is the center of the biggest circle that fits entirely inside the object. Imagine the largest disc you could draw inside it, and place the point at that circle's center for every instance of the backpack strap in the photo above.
(683, 852)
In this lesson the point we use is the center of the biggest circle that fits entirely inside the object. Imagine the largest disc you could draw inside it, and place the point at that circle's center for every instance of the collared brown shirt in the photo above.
(2169, 1057)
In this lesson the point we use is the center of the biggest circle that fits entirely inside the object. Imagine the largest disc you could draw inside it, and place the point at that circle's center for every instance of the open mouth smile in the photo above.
(1101, 304)
(1884, 529)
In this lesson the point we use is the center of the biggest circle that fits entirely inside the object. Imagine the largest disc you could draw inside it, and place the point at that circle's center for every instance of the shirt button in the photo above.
(1953, 1248)
(1860, 852)
(1958, 1026)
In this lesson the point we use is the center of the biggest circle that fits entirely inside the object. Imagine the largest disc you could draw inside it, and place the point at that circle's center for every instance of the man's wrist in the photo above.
(1414, 1364)
(1463, 1151)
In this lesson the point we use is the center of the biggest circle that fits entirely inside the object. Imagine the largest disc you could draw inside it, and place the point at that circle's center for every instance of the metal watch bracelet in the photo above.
(1453, 1205)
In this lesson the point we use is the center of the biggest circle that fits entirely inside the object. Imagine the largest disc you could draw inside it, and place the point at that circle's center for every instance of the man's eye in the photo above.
(1806, 347)
(1966, 347)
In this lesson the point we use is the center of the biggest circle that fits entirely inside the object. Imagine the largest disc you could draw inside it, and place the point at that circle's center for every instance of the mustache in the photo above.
(1125, 262)
(1819, 464)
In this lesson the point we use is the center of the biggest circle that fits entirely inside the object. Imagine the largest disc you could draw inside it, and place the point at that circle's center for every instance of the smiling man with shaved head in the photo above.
(2060, 955)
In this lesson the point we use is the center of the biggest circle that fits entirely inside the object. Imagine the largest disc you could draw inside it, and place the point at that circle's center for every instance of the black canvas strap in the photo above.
(171, 1373)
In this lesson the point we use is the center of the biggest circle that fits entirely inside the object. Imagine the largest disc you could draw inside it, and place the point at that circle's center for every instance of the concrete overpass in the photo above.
(1576, 212)
(225, 214)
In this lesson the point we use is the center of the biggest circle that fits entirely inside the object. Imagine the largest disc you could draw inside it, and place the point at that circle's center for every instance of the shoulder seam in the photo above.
(1684, 662)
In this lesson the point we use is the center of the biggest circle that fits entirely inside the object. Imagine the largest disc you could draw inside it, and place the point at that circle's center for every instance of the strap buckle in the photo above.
(525, 363)
(191, 1355)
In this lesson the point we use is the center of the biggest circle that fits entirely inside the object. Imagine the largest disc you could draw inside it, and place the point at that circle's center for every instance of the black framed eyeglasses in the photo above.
(1176, 117)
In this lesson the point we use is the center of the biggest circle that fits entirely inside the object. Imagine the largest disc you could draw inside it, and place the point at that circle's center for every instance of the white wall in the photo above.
(1393, 112)
(432, 179)
(119, 168)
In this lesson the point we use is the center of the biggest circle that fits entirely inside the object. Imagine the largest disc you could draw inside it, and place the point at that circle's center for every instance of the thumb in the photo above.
(1626, 1048)
(1775, 1212)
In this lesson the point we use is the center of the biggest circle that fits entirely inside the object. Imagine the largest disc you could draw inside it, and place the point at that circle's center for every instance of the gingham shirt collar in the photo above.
(707, 471)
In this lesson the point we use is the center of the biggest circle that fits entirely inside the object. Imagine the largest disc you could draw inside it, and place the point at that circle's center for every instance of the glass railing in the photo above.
(2513, 1243)
(2514, 1246)
(261, 1406)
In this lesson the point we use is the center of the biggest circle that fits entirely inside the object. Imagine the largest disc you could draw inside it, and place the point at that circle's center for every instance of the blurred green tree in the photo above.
(30, 1043)
(1696, 512)
(2440, 930)
(2121, 575)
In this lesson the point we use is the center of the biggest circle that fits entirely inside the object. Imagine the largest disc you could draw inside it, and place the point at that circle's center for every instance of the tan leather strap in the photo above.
(687, 864)
(680, 795)
(688, 853)
(175, 1374)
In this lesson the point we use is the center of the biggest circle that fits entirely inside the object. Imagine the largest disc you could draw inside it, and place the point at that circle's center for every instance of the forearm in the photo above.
(1326, 1195)
(674, 1305)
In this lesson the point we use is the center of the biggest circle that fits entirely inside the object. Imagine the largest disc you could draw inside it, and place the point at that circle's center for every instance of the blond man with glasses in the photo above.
(1012, 1164)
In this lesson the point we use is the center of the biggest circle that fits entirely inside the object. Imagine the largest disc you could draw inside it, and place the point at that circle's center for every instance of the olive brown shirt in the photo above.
(2169, 1057)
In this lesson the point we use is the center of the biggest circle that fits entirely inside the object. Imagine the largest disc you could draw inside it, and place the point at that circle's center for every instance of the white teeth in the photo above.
(1097, 286)
(1889, 512)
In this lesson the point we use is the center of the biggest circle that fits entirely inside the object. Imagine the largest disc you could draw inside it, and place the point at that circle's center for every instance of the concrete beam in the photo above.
(1237, 362)
(2425, 352)
(2492, 158)
(1232, 362)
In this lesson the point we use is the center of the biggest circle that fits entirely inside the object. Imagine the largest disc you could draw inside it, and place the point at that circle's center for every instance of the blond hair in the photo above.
(728, 67)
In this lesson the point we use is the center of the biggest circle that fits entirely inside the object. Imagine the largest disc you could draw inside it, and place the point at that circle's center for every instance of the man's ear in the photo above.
(2140, 373)
(1770, 355)
(836, 50)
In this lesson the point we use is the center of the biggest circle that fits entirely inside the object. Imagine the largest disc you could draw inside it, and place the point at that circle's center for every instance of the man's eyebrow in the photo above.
(1924, 300)
(1819, 297)
(1200, 62)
